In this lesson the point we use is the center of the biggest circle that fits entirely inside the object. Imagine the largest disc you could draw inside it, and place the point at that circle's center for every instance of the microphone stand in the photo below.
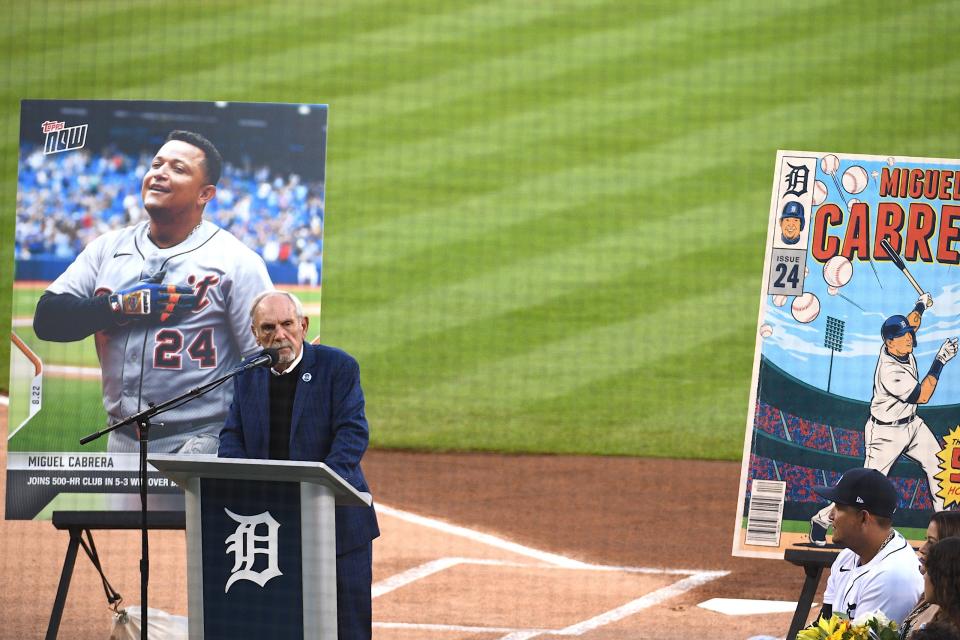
(142, 419)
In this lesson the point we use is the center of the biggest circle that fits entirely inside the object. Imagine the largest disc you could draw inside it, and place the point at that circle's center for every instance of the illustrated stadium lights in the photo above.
(833, 340)
(220, 104)
(303, 110)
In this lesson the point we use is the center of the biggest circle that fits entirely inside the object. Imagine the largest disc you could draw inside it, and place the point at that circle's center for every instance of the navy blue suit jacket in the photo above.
(328, 425)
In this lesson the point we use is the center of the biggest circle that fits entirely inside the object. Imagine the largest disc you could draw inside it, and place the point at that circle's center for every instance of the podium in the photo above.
(261, 545)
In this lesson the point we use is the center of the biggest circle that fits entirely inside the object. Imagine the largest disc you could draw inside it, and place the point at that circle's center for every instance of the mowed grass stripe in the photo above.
(731, 415)
(570, 311)
(548, 369)
(560, 230)
(281, 48)
(931, 145)
(37, 24)
(481, 221)
(643, 36)
(525, 283)
(653, 420)
(179, 77)
(701, 416)
(429, 174)
(647, 424)
(480, 215)
(212, 26)
(379, 40)
(396, 191)
(324, 59)
(483, 410)
(434, 47)
(131, 62)
(539, 97)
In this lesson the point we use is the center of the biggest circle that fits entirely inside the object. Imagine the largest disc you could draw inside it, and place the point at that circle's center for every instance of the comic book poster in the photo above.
(857, 333)
(144, 230)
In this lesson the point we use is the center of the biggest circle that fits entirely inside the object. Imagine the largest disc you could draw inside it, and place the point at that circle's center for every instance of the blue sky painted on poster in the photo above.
(881, 291)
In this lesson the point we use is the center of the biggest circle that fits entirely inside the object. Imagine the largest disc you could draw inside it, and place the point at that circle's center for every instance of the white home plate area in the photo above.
(447, 581)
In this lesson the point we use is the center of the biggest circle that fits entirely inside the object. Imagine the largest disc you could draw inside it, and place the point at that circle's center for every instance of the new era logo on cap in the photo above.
(859, 499)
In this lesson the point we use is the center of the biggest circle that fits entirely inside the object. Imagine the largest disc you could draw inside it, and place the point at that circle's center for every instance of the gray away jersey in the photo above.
(148, 361)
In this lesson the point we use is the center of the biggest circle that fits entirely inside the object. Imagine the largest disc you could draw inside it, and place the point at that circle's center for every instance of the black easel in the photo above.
(80, 523)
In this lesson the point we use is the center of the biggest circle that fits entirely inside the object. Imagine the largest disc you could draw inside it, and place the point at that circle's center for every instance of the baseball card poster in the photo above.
(856, 342)
(144, 230)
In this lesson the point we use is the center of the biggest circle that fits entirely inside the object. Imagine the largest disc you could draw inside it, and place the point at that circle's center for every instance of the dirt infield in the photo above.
(479, 546)
(611, 511)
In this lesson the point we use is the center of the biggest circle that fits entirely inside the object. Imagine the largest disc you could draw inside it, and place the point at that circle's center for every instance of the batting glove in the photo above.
(947, 350)
(150, 299)
(926, 300)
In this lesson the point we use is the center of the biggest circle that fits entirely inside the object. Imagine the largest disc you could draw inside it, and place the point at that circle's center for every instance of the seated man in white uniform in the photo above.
(877, 569)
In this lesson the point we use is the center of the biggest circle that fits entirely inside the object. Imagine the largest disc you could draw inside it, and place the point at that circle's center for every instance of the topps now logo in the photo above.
(60, 137)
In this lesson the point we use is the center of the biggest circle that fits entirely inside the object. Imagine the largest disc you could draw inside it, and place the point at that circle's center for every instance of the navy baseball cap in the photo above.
(793, 210)
(896, 326)
(866, 489)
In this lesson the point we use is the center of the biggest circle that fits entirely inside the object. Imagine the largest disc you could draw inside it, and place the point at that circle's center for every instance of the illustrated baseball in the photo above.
(891, 161)
(779, 300)
(850, 204)
(766, 331)
(830, 163)
(805, 308)
(819, 192)
(855, 179)
(837, 271)
(833, 290)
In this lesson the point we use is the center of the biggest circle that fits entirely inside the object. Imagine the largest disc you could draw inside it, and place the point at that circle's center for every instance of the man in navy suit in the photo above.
(309, 407)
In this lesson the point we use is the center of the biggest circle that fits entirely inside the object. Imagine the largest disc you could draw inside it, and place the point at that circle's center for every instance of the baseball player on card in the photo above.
(168, 300)
(894, 428)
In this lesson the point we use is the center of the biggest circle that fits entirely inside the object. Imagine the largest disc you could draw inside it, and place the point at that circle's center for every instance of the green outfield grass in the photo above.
(545, 221)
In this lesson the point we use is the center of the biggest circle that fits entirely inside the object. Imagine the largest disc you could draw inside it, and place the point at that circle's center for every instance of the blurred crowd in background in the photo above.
(66, 200)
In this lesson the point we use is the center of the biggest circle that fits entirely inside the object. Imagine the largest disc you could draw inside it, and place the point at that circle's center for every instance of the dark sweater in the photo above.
(282, 390)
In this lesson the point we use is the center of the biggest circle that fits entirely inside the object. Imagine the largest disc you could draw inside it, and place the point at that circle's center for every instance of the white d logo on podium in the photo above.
(243, 545)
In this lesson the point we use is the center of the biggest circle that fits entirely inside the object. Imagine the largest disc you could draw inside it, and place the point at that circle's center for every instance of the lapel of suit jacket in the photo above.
(303, 388)
(261, 385)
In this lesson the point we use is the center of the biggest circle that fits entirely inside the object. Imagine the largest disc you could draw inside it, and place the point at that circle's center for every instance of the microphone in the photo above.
(266, 358)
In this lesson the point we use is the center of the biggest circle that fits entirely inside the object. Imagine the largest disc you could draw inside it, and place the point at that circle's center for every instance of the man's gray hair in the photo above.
(297, 305)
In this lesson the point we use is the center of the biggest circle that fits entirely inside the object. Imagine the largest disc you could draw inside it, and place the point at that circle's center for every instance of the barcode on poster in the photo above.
(766, 512)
